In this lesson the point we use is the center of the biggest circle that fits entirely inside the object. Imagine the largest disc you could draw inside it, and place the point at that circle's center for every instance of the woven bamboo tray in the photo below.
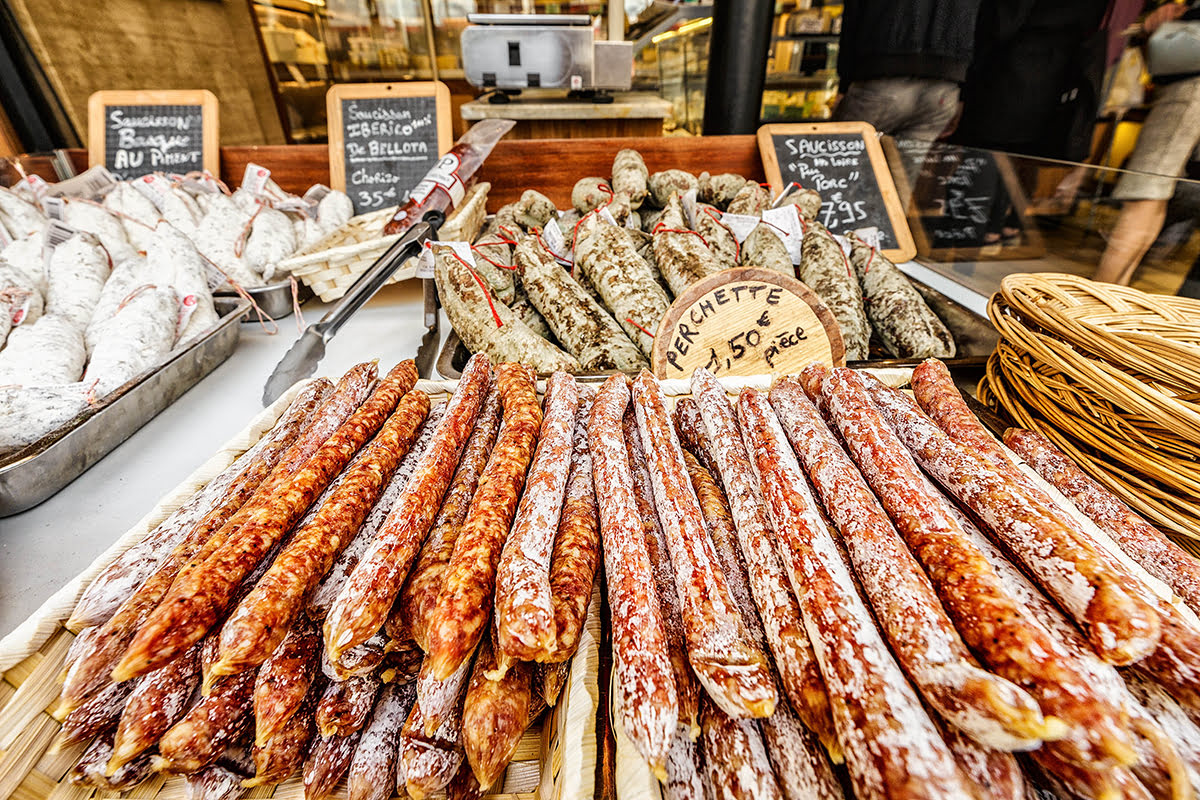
(1112, 376)
(331, 264)
(556, 759)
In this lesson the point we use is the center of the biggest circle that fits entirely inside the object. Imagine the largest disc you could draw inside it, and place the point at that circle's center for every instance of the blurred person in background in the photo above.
(1166, 143)
(900, 63)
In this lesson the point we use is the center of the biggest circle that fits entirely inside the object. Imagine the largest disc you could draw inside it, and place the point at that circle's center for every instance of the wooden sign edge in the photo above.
(210, 124)
(837, 345)
(340, 91)
(906, 247)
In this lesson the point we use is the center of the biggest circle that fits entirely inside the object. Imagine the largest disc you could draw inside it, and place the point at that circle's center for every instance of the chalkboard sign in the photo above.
(962, 203)
(384, 137)
(841, 161)
(134, 133)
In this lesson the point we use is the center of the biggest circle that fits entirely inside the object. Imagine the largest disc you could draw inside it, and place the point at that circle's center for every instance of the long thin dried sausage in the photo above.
(328, 760)
(525, 627)
(729, 665)
(358, 660)
(576, 544)
(440, 699)
(331, 585)
(373, 767)
(156, 703)
(777, 606)
(90, 769)
(684, 781)
(991, 709)
(996, 774)
(687, 687)
(801, 766)
(365, 599)
(1157, 554)
(885, 733)
(1122, 627)
(283, 753)
(262, 619)
(495, 714)
(199, 597)
(96, 714)
(284, 680)
(428, 761)
(738, 767)
(464, 607)
(344, 706)
(212, 723)
(420, 593)
(689, 426)
(648, 706)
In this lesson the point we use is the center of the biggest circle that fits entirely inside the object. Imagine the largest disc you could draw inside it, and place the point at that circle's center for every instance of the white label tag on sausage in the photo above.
(844, 242)
(785, 222)
(36, 186)
(607, 216)
(91, 183)
(187, 307)
(872, 236)
(154, 187)
(54, 207)
(461, 249)
(444, 175)
(555, 240)
(689, 207)
(57, 232)
(254, 178)
(213, 276)
(742, 225)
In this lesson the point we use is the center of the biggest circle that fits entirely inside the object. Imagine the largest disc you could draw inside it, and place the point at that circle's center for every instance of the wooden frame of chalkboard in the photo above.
(99, 142)
(919, 215)
(771, 136)
(376, 198)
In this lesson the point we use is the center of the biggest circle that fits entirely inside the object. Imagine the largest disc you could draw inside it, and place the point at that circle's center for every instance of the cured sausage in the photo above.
(1140, 540)
(344, 706)
(989, 708)
(366, 597)
(751, 200)
(260, 621)
(96, 714)
(693, 437)
(199, 597)
(648, 705)
(156, 703)
(495, 714)
(661, 184)
(90, 769)
(328, 760)
(576, 546)
(626, 282)
(1122, 627)
(826, 270)
(777, 607)
(681, 254)
(284, 681)
(419, 595)
(905, 323)
(525, 627)
(996, 774)
(439, 699)
(630, 176)
(211, 724)
(464, 607)
(549, 679)
(119, 579)
(801, 766)
(684, 781)
(329, 587)
(738, 767)
(373, 767)
(361, 659)
(687, 688)
(283, 753)
(885, 733)
(731, 667)
(428, 760)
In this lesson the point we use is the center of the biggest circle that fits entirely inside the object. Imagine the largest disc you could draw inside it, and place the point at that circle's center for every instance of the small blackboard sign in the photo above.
(962, 203)
(134, 133)
(841, 161)
(384, 137)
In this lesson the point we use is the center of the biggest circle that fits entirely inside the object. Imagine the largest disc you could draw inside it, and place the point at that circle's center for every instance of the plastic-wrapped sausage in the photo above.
(648, 706)
(464, 607)
(991, 709)
(366, 597)
(884, 731)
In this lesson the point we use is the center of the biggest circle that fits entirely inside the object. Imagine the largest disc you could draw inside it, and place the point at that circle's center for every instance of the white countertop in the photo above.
(554, 104)
(43, 548)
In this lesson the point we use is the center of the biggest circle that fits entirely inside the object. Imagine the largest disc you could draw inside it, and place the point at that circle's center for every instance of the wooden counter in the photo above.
(549, 114)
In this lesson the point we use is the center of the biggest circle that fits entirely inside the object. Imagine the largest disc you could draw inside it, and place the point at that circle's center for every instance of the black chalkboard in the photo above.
(382, 145)
(135, 133)
(845, 165)
(963, 202)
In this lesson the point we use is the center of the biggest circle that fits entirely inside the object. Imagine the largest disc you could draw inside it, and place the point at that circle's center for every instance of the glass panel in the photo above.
(978, 215)
(802, 65)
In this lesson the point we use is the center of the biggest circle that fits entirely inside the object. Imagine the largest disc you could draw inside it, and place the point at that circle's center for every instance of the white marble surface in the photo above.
(44, 547)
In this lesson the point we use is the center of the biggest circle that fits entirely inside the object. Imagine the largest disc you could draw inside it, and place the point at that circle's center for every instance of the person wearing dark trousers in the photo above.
(900, 63)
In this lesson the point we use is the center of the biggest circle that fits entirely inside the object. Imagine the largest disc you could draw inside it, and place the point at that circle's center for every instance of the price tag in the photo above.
(872, 236)
(54, 207)
(688, 201)
(154, 187)
(553, 236)
(57, 232)
(425, 262)
(742, 225)
(254, 179)
(785, 222)
(93, 182)
(746, 321)
(607, 216)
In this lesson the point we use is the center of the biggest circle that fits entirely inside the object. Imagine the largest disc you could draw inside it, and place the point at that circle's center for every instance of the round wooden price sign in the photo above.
(746, 321)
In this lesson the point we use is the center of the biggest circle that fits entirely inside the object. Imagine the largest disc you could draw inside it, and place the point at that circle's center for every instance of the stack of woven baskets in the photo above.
(1112, 376)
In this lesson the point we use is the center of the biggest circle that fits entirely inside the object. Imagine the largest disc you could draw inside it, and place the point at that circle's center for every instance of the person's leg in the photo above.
(935, 103)
(1136, 229)
(886, 104)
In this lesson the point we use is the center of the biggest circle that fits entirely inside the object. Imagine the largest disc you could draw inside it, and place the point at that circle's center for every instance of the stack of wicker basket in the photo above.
(1112, 376)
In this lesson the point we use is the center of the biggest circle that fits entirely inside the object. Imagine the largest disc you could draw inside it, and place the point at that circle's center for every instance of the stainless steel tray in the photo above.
(974, 336)
(274, 299)
(37, 471)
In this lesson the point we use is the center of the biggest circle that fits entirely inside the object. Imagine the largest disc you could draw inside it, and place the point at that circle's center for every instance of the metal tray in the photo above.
(37, 471)
(274, 299)
(974, 336)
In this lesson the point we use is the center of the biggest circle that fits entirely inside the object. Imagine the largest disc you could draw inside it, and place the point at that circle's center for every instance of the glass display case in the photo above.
(681, 56)
(801, 81)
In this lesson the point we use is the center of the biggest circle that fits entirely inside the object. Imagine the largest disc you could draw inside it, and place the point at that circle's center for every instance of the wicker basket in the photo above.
(331, 264)
(556, 759)
(1112, 376)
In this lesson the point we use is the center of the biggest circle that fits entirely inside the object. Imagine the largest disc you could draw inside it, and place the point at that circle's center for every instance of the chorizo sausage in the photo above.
(284, 680)
(495, 714)
(373, 767)
(156, 703)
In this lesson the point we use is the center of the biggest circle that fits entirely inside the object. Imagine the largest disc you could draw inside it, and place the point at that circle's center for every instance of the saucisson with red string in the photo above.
(367, 596)
(731, 667)
(1122, 627)
(464, 607)
(648, 706)
(887, 737)
(989, 708)
(777, 607)
(419, 595)
(199, 597)
(525, 627)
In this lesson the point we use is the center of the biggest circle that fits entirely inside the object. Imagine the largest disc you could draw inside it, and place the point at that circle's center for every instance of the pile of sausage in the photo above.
(378, 591)
(585, 290)
(107, 287)
(789, 590)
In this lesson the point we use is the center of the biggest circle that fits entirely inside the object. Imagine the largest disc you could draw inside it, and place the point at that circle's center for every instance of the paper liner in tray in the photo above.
(556, 759)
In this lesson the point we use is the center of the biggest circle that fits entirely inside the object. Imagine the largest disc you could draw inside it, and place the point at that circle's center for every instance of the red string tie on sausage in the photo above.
(239, 244)
(537, 233)
(144, 287)
(737, 247)
(511, 241)
(660, 229)
(486, 294)
(639, 327)
(495, 264)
